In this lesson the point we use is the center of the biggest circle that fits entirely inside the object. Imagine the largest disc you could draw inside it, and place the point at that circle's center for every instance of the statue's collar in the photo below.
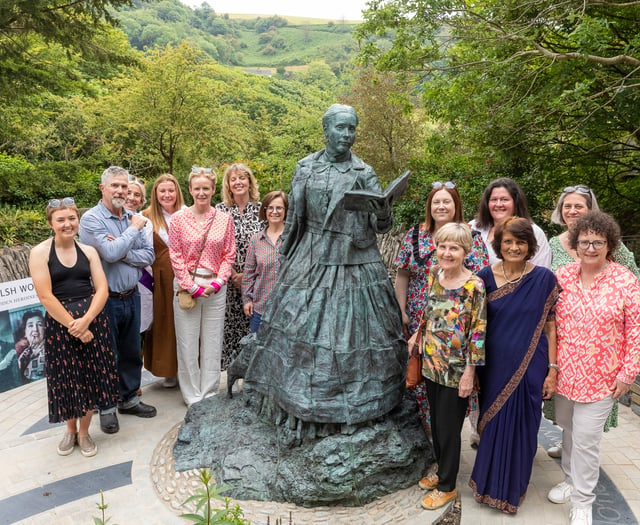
(320, 163)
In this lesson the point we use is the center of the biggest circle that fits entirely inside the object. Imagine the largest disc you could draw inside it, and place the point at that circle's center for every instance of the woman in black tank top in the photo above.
(79, 364)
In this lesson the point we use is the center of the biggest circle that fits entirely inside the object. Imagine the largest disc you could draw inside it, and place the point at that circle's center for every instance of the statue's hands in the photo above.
(381, 209)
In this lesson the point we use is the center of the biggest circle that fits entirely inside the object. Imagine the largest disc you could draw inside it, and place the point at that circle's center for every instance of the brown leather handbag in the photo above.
(415, 346)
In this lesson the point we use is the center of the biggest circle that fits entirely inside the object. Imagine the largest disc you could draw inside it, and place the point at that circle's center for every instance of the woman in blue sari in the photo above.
(520, 367)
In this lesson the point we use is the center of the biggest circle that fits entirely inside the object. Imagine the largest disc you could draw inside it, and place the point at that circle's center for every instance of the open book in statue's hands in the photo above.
(373, 201)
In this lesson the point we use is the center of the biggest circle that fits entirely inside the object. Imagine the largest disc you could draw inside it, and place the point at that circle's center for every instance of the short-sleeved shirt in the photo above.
(456, 321)
(419, 269)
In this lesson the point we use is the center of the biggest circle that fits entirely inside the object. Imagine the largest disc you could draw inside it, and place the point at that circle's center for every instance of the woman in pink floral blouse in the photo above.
(598, 341)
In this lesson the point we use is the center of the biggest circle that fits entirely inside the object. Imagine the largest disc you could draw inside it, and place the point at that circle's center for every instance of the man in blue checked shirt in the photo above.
(124, 249)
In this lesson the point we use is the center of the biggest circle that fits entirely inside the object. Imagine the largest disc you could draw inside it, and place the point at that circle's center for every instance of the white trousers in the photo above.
(582, 427)
(199, 345)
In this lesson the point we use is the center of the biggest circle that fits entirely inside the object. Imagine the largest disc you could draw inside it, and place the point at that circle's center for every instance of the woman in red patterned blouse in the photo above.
(598, 341)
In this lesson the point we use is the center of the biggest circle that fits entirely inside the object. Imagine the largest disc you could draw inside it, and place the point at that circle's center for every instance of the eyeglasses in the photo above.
(597, 245)
(133, 178)
(56, 203)
(198, 169)
(437, 185)
(271, 209)
(580, 188)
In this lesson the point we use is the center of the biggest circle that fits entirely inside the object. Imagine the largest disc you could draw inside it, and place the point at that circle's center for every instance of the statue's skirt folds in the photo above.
(330, 346)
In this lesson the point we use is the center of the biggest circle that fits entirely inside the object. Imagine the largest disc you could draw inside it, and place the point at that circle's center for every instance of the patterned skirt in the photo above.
(236, 326)
(80, 376)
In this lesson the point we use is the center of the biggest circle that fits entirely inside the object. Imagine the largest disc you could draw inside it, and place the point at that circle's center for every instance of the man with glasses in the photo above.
(117, 234)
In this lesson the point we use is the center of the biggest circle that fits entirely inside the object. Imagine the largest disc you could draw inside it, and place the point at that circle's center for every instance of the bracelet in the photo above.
(198, 292)
(554, 366)
(215, 286)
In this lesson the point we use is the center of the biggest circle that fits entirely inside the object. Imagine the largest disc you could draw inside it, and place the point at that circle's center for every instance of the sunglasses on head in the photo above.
(580, 188)
(198, 169)
(133, 178)
(437, 185)
(56, 203)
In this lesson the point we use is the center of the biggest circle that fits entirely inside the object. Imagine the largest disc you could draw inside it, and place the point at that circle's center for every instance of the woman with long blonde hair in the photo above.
(241, 200)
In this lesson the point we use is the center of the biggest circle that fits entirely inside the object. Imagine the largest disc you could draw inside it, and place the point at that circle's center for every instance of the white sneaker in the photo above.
(555, 451)
(561, 493)
(580, 516)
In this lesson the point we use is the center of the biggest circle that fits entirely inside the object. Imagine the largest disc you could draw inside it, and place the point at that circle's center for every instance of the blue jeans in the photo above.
(124, 320)
(254, 322)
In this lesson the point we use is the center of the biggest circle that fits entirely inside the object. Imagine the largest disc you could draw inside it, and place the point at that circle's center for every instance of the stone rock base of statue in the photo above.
(280, 461)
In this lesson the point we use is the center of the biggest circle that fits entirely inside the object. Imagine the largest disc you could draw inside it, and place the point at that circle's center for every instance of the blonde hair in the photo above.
(237, 167)
(154, 211)
(457, 232)
(143, 190)
(203, 173)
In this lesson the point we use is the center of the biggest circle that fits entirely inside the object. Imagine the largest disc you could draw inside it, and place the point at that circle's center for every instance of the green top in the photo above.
(560, 257)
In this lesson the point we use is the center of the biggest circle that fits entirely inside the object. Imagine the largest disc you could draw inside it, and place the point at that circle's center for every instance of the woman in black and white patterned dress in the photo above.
(241, 200)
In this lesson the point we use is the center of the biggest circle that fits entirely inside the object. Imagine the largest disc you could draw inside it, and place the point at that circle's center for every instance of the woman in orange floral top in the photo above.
(598, 324)
(454, 345)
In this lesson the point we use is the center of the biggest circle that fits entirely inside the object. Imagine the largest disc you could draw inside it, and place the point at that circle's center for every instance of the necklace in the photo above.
(514, 280)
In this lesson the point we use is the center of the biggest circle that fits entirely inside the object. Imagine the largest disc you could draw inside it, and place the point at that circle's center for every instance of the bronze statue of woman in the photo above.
(330, 348)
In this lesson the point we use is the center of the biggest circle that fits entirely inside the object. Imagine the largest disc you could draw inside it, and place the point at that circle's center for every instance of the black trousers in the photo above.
(448, 411)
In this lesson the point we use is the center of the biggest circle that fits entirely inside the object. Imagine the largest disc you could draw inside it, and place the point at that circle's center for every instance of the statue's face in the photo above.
(340, 134)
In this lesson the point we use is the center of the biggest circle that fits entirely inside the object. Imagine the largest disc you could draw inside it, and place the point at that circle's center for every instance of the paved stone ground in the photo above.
(134, 468)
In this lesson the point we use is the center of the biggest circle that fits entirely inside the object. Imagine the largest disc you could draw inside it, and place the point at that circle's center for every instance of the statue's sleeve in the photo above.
(294, 226)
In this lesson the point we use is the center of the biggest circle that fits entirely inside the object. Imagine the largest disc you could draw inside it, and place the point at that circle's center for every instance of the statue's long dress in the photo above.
(330, 348)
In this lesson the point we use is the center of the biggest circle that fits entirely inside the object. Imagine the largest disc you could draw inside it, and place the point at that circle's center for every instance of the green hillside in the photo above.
(240, 40)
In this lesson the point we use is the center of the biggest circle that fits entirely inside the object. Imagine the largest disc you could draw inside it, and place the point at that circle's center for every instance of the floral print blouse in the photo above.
(419, 271)
(454, 331)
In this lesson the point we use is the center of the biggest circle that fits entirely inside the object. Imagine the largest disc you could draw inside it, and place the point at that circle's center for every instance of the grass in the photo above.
(304, 43)
(295, 20)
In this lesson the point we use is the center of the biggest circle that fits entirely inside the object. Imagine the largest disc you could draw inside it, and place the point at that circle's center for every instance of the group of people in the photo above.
(501, 323)
(118, 287)
(500, 326)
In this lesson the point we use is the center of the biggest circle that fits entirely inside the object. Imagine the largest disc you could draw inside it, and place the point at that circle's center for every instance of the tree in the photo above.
(169, 112)
(319, 74)
(550, 88)
(31, 30)
(390, 129)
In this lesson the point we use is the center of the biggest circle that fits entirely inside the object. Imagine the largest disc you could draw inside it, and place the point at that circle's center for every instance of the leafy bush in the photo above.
(22, 226)
(25, 184)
